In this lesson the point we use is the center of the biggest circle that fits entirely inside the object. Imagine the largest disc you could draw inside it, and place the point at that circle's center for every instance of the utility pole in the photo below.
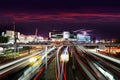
(14, 28)
(46, 49)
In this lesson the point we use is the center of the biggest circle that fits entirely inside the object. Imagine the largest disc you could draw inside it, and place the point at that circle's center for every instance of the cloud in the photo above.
(62, 17)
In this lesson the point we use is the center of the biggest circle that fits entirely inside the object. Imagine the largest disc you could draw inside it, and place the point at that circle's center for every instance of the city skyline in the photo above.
(102, 16)
(59, 39)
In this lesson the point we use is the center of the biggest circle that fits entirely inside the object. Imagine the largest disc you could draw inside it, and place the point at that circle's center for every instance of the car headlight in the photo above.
(33, 59)
(64, 57)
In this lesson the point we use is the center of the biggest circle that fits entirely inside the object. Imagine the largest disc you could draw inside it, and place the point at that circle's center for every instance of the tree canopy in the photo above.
(4, 39)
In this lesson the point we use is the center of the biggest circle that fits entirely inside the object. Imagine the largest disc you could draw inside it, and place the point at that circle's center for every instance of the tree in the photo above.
(118, 41)
(4, 39)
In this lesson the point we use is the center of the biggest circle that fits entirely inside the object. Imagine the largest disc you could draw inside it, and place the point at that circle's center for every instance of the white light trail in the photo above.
(105, 73)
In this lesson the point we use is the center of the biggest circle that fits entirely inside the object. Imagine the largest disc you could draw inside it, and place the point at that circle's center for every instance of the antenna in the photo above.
(36, 32)
(15, 33)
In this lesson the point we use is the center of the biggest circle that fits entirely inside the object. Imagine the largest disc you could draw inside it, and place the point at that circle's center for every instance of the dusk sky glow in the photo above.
(46, 15)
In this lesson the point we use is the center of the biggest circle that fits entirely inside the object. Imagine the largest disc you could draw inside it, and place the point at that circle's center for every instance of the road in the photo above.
(63, 63)
(109, 70)
(20, 67)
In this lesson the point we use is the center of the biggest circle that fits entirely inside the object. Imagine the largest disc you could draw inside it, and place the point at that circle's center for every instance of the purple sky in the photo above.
(101, 15)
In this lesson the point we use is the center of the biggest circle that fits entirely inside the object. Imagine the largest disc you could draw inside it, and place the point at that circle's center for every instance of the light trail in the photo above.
(58, 64)
(105, 73)
(103, 56)
(19, 60)
(12, 67)
(31, 70)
